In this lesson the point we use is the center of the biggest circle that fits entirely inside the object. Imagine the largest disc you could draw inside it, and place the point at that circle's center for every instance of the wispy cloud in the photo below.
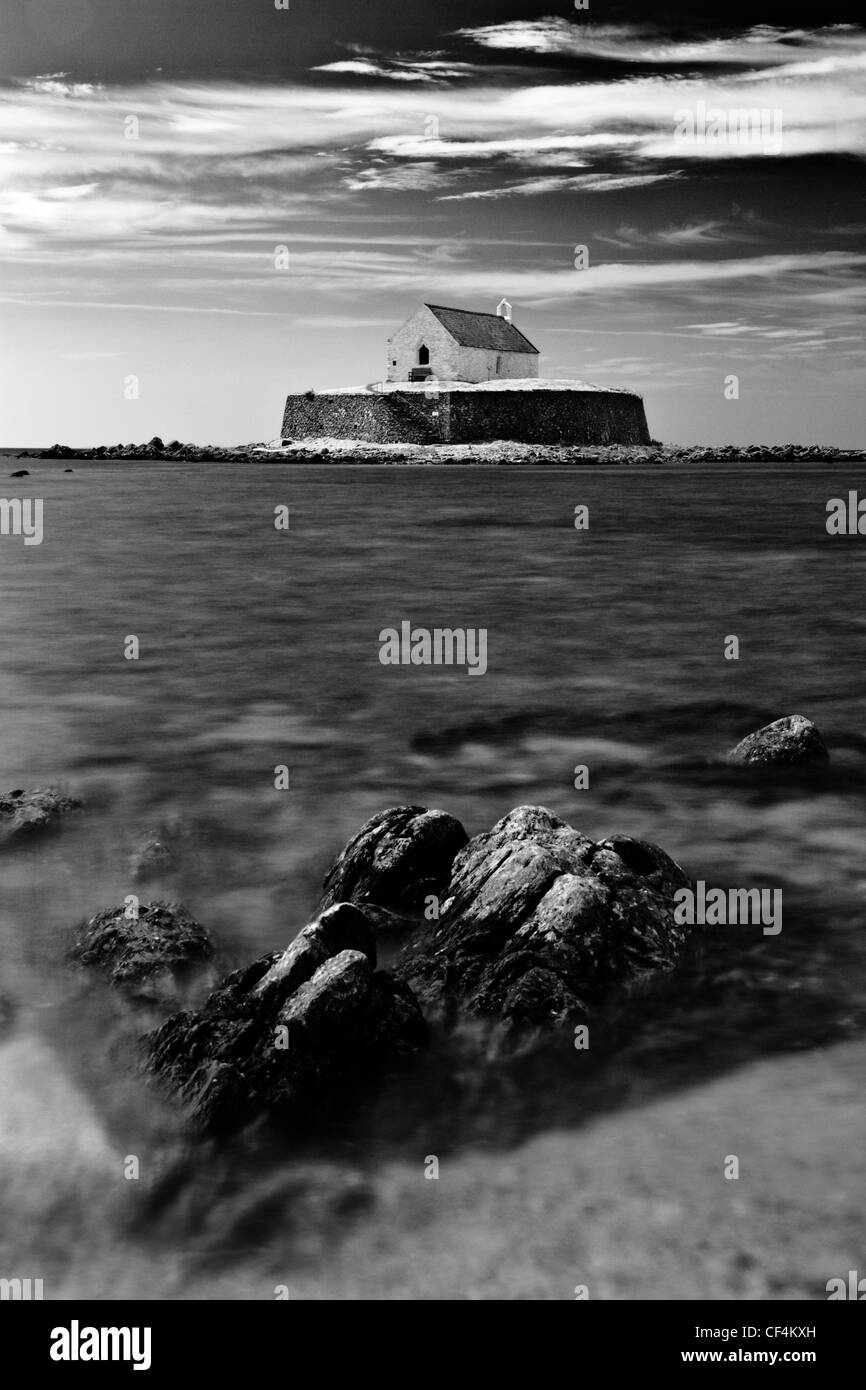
(584, 183)
(106, 305)
(755, 330)
(626, 277)
(415, 176)
(400, 70)
(518, 147)
(365, 67)
(760, 46)
(694, 234)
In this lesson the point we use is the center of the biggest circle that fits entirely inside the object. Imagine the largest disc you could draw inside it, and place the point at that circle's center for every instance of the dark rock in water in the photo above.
(538, 921)
(20, 473)
(69, 470)
(148, 952)
(397, 859)
(28, 812)
(153, 859)
(155, 443)
(7, 1013)
(281, 1035)
(789, 741)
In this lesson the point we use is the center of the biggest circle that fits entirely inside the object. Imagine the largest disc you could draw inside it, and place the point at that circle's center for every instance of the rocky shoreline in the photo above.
(503, 452)
(521, 931)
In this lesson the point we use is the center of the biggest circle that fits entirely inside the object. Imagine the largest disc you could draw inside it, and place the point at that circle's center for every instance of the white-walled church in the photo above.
(460, 345)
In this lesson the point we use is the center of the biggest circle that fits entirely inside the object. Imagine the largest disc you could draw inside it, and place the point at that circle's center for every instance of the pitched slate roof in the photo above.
(482, 330)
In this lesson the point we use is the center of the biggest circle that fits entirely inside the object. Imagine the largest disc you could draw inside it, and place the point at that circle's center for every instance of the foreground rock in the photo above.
(280, 1036)
(151, 957)
(397, 860)
(793, 740)
(538, 921)
(29, 812)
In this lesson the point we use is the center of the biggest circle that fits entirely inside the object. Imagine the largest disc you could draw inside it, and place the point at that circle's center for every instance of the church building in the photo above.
(460, 345)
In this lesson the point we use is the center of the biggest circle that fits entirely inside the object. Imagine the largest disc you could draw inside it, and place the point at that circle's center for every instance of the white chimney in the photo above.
(503, 309)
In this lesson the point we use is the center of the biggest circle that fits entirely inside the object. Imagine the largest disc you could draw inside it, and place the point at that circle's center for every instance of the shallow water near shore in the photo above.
(259, 648)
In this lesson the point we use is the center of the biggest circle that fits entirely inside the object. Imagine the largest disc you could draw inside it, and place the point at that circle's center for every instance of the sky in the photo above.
(207, 204)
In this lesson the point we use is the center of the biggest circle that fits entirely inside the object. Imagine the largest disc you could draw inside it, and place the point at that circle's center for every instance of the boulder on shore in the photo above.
(148, 951)
(538, 921)
(28, 812)
(280, 1036)
(793, 740)
(398, 858)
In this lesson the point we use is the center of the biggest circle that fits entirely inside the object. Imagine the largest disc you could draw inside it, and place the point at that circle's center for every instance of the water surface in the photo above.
(260, 648)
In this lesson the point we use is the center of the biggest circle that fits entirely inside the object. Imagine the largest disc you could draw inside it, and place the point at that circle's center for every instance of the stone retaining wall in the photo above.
(463, 417)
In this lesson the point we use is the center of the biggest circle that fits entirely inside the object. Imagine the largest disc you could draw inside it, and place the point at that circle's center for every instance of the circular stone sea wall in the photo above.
(548, 417)
(466, 417)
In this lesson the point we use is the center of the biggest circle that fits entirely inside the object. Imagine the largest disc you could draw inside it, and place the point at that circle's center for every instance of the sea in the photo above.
(609, 647)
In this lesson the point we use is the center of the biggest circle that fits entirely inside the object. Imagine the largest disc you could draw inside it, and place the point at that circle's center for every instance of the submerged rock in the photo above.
(396, 860)
(149, 956)
(152, 859)
(7, 1013)
(538, 921)
(788, 741)
(28, 812)
(280, 1035)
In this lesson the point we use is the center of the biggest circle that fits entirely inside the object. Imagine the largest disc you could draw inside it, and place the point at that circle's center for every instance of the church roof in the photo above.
(482, 330)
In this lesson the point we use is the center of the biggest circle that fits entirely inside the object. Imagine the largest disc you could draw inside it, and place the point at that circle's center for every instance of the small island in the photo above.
(461, 387)
(459, 376)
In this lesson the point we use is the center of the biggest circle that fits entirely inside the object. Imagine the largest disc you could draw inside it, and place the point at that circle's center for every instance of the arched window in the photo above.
(423, 356)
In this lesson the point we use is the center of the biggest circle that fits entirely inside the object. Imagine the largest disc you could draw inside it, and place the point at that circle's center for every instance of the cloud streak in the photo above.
(582, 183)
(761, 46)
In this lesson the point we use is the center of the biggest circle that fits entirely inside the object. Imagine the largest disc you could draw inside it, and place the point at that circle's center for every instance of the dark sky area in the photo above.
(122, 40)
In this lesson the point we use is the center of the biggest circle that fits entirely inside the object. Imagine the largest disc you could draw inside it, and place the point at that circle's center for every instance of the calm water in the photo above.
(260, 648)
